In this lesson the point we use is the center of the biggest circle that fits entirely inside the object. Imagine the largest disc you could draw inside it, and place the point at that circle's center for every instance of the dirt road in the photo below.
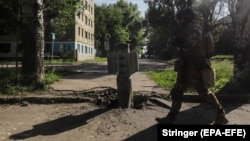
(89, 122)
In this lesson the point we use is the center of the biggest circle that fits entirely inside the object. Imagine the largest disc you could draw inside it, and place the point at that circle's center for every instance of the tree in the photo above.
(100, 29)
(121, 22)
(32, 29)
(57, 14)
(242, 45)
(161, 26)
(161, 19)
(8, 16)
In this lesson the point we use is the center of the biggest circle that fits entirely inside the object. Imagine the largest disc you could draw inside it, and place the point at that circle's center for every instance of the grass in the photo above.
(224, 72)
(222, 64)
(10, 85)
(70, 61)
(96, 60)
(59, 61)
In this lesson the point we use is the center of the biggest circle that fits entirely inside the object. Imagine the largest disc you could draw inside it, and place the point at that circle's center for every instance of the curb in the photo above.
(44, 100)
(227, 99)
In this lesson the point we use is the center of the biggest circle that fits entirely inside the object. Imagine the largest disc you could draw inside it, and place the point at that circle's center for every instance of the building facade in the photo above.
(78, 43)
(84, 32)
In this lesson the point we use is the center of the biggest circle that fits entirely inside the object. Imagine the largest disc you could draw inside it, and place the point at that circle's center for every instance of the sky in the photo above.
(140, 3)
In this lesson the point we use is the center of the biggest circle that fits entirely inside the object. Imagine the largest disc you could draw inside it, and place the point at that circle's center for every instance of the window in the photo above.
(86, 20)
(86, 49)
(5, 48)
(79, 31)
(86, 4)
(86, 35)
(79, 16)
(78, 47)
(82, 32)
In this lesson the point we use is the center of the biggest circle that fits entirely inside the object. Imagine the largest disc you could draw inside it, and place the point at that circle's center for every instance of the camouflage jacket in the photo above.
(191, 36)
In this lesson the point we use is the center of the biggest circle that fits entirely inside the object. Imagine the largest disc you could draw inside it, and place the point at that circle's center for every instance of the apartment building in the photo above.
(84, 32)
(78, 43)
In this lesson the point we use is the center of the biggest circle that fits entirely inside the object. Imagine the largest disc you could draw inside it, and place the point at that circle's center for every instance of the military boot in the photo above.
(166, 120)
(170, 118)
(221, 117)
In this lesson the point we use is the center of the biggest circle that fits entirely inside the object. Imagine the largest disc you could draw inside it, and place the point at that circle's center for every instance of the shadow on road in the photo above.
(58, 125)
(202, 114)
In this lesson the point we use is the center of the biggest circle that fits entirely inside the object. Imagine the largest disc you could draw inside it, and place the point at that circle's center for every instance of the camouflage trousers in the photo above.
(190, 76)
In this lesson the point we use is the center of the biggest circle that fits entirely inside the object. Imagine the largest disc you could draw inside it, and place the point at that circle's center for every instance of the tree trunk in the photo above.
(32, 35)
(242, 43)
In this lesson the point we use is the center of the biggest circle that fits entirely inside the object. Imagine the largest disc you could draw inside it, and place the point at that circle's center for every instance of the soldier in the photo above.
(193, 67)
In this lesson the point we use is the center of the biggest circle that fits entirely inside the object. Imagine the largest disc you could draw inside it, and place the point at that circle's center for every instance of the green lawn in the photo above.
(222, 64)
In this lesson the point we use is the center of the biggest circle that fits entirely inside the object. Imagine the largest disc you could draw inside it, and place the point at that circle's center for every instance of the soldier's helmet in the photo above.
(187, 14)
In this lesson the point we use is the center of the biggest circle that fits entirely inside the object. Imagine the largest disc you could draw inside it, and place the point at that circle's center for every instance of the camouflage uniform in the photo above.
(190, 65)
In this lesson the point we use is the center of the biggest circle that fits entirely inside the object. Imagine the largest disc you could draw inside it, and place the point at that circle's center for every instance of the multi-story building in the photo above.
(78, 42)
(84, 32)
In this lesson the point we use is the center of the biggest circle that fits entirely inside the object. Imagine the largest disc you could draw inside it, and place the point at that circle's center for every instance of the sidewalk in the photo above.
(65, 113)
(140, 83)
(237, 112)
(85, 81)
(98, 80)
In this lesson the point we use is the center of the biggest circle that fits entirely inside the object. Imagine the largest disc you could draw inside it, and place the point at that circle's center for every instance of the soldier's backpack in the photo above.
(208, 44)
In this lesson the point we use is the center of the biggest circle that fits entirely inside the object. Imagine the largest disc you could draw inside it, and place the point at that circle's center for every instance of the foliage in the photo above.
(8, 82)
(98, 60)
(164, 78)
(120, 23)
(72, 61)
(223, 57)
(162, 26)
(59, 61)
(57, 14)
(50, 77)
(224, 72)
(8, 16)
(10, 85)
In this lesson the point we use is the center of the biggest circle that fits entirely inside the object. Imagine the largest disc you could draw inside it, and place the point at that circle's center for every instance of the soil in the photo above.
(87, 121)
